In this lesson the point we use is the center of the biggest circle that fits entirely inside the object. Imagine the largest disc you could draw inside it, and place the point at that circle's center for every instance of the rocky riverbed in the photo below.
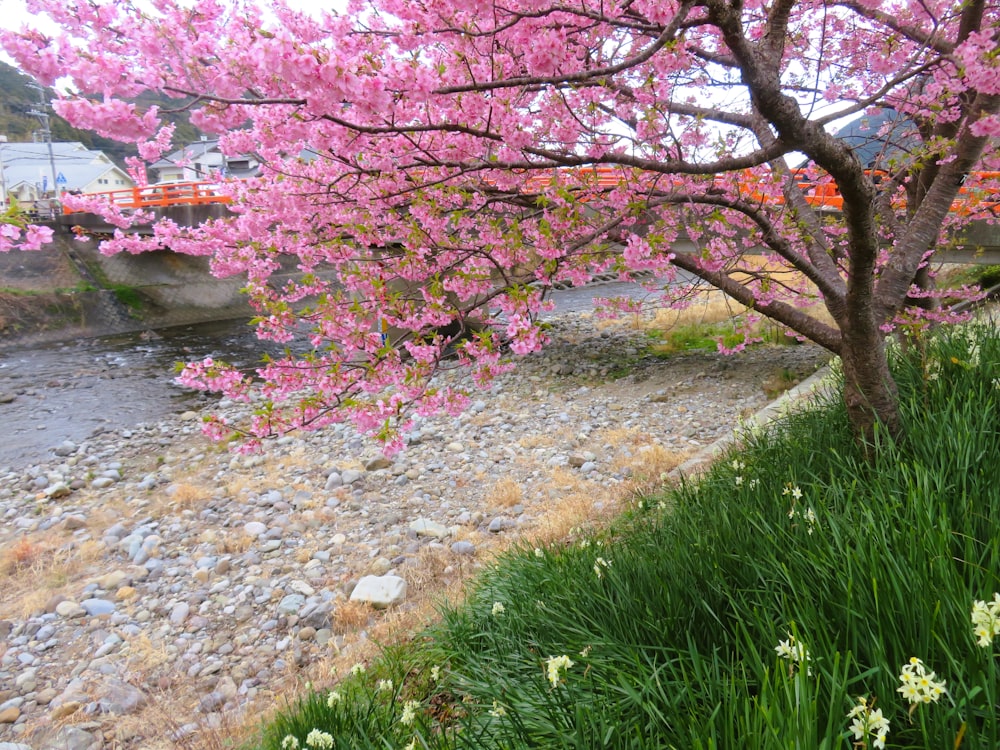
(156, 591)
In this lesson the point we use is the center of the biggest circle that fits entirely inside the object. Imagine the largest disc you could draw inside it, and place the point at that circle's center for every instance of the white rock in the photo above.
(380, 591)
(70, 610)
(302, 587)
(255, 528)
(423, 527)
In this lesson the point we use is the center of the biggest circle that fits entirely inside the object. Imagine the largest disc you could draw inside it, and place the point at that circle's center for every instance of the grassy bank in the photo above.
(796, 596)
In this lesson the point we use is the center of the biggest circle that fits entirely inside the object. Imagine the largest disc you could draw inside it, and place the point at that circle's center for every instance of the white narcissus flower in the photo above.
(319, 740)
(986, 620)
(795, 652)
(409, 714)
(554, 665)
(919, 685)
(868, 721)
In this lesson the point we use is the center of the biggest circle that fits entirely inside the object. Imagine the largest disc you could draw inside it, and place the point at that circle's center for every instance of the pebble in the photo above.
(463, 548)
(232, 586)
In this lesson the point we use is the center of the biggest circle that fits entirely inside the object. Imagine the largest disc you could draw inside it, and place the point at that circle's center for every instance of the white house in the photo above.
(27, 172)
(201, 161)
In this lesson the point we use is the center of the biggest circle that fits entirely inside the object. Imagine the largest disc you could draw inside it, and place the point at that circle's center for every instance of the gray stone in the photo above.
(463, 548)
(97, 607)
(500, 523)
(317, 616)
(324, 636)
(350, 476)
(65, 448)
(211, 702)
(120, 698)
(73, 523)
(179, 613)
(73, 738)
(291, 604)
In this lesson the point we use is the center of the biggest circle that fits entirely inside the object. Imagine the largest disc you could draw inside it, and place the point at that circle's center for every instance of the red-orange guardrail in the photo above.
(167, 194)
(817, 194)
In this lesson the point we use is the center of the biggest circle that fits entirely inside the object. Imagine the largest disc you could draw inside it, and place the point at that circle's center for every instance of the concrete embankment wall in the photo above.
(70, 290)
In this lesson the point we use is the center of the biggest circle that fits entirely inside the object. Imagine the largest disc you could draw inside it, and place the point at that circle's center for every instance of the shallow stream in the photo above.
(71, 390)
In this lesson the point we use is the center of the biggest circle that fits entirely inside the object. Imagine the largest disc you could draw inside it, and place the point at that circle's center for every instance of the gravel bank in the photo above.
(154, 588)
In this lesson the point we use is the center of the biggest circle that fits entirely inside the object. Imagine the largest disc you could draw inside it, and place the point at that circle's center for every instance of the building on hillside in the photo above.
(880, 138)
(199, 162)
(27, 172)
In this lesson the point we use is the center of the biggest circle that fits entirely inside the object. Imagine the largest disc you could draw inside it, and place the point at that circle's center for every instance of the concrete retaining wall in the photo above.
(69, 290)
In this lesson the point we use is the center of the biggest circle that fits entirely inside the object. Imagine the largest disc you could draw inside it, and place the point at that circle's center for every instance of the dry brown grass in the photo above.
(504, 494)
(144, 655)
(348, 616)
(779, 382)
(652, 462)
(35, 567)
(567, 513)
(186, 496)
(234, 543)
(538, 440)
(708, 307)
(622, 439)
(20, 555)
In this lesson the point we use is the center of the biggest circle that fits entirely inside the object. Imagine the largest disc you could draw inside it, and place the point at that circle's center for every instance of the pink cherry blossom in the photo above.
(430, 171)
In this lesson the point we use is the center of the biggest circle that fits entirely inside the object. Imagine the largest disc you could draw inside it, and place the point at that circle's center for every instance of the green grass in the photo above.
(672, 616)
(694, 336)
(699, 336)
(128, 296)
(81, 286)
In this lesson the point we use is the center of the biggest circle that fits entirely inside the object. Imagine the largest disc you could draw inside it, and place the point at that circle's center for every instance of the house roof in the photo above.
(187, 153)
(77, 165)
(188, 156)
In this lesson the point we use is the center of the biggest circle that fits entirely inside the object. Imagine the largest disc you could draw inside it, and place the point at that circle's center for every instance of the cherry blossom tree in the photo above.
(433, 167)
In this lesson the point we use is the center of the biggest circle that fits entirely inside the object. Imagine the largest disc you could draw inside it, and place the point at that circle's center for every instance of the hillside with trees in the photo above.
(18, 100)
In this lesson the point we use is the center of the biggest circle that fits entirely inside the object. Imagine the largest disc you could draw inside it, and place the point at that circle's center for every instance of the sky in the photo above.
(13, 15)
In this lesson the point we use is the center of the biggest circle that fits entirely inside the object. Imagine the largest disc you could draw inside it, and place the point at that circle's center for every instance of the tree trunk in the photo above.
(870, 393)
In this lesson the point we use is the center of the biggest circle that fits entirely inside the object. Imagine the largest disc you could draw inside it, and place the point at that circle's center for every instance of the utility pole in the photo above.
(42, 113)
(3, 180)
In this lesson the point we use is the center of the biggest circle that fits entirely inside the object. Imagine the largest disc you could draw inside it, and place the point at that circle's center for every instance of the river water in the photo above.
(72, 390)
